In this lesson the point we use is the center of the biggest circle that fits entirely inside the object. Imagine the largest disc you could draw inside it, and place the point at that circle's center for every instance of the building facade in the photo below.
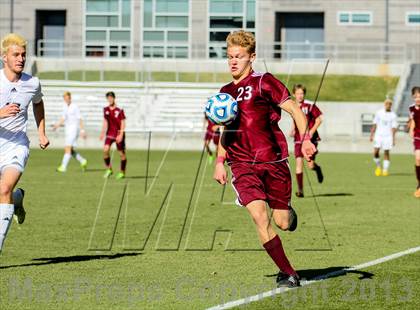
(197, 29)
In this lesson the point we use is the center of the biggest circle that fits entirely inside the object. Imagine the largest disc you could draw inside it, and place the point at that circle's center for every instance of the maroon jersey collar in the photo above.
(244, 79)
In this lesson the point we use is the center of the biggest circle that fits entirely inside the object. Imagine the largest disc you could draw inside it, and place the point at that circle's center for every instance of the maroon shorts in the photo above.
(270, 182)
(416, 143)
(298, 150)
(120, 146)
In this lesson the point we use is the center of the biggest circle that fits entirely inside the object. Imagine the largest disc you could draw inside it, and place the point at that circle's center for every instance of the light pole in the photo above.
(11, 15)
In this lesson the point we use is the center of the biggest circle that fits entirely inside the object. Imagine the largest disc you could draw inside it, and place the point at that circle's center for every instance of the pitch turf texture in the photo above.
(165, 253)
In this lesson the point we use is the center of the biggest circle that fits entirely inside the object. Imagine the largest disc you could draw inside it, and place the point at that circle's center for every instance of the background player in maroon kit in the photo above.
(415, 132)
(252, 147)
(212, 134)
(314, 119)
(113, 131)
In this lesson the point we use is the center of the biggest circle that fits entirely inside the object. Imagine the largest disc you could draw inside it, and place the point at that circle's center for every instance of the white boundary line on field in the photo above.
(281, 290)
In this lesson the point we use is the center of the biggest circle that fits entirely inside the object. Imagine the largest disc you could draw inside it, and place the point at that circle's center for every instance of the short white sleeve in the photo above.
(394, 121)
(38, 93)
(377, 118)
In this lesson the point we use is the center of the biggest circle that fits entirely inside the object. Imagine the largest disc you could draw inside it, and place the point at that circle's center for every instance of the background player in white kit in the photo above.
(73, 123)
(17, 90)
(383, 136)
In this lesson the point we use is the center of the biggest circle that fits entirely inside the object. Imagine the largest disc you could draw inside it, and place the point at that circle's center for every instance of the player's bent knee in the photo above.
(5, 190)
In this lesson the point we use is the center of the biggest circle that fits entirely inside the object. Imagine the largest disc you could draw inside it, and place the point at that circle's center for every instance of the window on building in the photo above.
(166, 28)
(412, 18)
(226, 16)
(354, 18)
(108, 28)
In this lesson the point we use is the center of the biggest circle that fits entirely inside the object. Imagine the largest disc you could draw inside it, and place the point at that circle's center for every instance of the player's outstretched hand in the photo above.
(9, 110)
(308, 149)
(220, 174)
(43, 142)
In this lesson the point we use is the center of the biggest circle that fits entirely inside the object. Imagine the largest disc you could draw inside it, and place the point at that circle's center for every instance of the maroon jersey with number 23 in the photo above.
(254, 136)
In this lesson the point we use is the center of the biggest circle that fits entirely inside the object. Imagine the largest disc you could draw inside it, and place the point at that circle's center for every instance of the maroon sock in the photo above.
(107, 162)
(123, 164)
(418, 176)
(299, 178)
(274, 248)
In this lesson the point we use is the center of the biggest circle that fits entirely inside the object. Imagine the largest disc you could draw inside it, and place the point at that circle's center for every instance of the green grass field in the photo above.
(182, 246)
(352, 87)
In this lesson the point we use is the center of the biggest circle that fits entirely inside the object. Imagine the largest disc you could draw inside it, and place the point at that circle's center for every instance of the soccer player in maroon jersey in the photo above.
(415, 132)
(212, 134)
(113, 128)
(256, 150)
(314, 119)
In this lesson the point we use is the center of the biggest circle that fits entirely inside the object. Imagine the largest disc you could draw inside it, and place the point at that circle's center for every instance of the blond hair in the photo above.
(67, 93)
(10, 40)
(242, 38)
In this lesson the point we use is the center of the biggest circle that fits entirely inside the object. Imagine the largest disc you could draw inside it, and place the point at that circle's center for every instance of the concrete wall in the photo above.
(266, 9)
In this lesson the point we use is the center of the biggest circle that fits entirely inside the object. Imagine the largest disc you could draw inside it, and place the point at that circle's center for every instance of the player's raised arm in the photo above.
(220, 174)
(291, 107)
(39, 114)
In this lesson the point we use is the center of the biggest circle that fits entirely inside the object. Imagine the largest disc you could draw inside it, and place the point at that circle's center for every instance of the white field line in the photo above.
(281, 290)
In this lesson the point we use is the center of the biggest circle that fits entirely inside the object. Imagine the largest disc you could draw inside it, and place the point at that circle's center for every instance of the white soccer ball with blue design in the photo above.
(221, 109)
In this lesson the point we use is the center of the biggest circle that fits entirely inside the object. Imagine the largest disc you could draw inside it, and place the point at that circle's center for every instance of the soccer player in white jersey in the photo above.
(17, 91)
(73, 123)
(383, 136)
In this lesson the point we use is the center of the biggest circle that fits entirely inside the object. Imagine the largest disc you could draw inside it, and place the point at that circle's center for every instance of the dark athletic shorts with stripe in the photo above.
(270, 182)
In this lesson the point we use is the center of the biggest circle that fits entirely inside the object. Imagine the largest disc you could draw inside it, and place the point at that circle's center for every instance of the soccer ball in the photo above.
(221, 109)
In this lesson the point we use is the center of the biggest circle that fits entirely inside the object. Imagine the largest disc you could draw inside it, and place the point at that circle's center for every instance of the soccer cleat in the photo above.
(20, 212)
(61, 168)
(385, 173)
(284, 279)
(378, 171)
(319, 174)
(211, 159)
(83, 165)
(293, 219)
(120, 176)
(417, 193)
(300, 194)
(108, 173)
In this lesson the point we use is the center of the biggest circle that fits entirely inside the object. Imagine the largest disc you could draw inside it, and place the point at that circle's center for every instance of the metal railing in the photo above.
(343, 52)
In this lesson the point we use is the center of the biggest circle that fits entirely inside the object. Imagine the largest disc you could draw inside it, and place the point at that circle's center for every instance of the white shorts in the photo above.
(72, 134)
(384, 143)
(13, 156)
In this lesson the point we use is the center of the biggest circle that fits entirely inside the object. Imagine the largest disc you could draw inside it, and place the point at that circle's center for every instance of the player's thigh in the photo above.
(278, 185)
(258, 211)
(8, 179)
(247, 183)
(299, 164)
(417, 155)
(107, 148)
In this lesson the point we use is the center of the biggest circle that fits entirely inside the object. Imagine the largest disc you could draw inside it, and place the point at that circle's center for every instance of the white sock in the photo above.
(66, 159)
(387, 163)
(6, 216)
(79, 157)
(377, 161)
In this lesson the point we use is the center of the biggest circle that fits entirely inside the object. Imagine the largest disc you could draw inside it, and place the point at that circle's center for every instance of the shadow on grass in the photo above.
(331, 195)
(401, 174)
(140, 177)
(329, 272)
(70, 259)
